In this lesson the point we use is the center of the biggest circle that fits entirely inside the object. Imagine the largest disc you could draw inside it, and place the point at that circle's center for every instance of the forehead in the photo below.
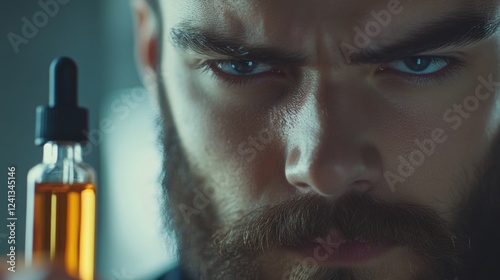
(298, 21)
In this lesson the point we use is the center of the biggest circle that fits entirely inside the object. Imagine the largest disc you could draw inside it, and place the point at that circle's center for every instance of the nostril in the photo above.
(362, 186)
(301, 185)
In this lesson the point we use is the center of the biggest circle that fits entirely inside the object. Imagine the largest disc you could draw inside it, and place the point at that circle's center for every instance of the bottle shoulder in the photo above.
(78, 172)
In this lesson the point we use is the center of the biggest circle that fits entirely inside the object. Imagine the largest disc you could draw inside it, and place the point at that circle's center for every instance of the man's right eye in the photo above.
(242, 67)
(238, 71)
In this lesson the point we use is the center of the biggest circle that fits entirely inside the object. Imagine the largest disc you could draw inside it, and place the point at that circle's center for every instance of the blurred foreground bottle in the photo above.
(61, 206)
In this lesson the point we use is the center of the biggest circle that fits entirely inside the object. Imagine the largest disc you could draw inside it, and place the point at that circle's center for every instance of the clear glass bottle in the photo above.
(61, 197)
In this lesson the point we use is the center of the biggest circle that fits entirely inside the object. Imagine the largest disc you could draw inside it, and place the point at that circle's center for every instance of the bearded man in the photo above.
(328, 139)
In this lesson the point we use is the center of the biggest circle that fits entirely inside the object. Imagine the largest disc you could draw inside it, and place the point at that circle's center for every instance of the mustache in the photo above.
(356, 215)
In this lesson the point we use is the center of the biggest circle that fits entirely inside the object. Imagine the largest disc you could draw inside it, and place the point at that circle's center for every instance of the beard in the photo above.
(209, 248)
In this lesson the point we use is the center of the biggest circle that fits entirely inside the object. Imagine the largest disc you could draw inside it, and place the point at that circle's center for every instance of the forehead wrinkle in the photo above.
(241, 18)
(250, 21)
(275, 22)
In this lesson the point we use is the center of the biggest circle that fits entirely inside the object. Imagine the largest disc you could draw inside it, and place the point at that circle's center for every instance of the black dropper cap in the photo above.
(62, 120)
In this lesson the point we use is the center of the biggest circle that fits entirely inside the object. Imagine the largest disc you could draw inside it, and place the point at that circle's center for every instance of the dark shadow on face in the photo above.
(479, 217)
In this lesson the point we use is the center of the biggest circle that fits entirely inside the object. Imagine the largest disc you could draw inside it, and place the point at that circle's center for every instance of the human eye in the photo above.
(425, 68)
(239, 71)
(242, 67)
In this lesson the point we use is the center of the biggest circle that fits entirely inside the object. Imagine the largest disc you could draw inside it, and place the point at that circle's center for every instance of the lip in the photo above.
(334, 249)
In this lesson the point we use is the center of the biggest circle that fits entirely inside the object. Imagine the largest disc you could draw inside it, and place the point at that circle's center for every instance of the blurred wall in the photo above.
(132, 228)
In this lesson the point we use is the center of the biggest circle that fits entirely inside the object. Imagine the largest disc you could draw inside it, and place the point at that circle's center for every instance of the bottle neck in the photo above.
(61, 151)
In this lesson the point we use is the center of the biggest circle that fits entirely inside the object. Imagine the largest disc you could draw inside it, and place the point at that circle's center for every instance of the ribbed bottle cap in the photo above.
(62, 120)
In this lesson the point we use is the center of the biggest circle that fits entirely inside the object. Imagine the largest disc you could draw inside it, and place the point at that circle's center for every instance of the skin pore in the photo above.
(287, 134)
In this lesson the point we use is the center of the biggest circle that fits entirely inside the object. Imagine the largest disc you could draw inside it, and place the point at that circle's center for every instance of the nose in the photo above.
(328, 149)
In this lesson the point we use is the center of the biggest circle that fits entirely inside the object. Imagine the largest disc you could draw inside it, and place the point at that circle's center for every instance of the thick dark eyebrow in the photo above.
(207, 43)
(454, 30)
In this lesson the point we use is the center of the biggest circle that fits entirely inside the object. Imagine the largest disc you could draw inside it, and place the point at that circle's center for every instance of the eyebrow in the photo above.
(454, 30)
(207, 43)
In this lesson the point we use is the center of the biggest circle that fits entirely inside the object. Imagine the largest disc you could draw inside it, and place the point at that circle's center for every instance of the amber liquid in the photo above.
(64, 227)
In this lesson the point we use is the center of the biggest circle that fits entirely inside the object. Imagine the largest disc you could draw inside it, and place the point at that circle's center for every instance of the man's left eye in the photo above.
(242, 67)
(420, 65)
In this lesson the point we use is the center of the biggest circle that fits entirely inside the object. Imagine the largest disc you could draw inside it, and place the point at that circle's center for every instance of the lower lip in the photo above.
(347, 254)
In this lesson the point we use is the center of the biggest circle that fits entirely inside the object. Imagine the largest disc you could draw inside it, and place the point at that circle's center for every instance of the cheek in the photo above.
(233, 147)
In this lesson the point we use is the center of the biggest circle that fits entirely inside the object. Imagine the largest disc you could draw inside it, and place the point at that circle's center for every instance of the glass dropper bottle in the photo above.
(61, 199)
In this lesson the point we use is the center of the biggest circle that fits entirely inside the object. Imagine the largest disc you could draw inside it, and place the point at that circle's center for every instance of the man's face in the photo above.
(365, 124)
